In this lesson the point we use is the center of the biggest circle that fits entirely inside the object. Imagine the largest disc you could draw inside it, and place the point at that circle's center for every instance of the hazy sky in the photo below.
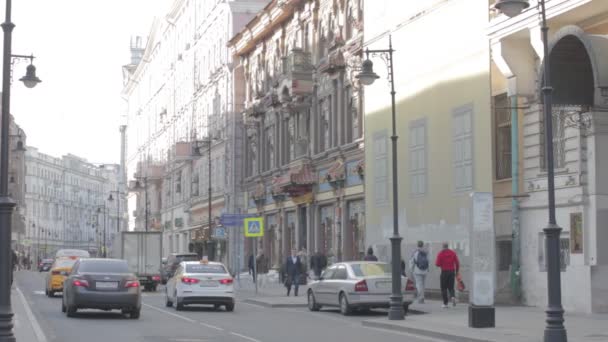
(80, 47)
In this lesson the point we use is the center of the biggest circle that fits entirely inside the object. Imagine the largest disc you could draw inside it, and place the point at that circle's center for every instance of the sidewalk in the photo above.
(26, 327)
(513, 324)
(271, 293)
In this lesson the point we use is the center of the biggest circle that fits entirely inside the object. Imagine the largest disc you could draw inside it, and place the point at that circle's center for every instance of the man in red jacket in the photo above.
(447, 260)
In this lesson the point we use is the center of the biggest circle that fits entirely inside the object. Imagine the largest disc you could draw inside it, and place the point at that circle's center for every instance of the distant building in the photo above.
(68, 204)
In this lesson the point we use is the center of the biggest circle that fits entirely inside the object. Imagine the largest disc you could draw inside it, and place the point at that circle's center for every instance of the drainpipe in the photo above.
(515, 222)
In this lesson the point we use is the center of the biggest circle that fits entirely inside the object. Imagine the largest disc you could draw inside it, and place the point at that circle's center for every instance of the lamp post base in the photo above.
(482, 316)
(7, 206)
(6, 325)
(396, 311)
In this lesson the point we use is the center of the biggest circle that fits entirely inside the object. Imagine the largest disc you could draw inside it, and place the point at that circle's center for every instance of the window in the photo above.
(418, 158)
(195, 183)
(504, 250)
(564, 252)
(371, 270)
(462, 148)
(559, 136)
(380, 156)
(502, 131)
(341, 273)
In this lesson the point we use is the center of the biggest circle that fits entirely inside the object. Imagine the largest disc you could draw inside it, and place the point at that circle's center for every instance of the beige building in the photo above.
(304, 142)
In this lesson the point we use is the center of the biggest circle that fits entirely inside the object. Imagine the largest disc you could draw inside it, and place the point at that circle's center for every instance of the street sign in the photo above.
(219, 232)
(234, 220)
(254, 227)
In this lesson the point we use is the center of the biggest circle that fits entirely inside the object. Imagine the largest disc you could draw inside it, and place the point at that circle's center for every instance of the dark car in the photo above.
(104, 284)
(45, 265)
(173, 262)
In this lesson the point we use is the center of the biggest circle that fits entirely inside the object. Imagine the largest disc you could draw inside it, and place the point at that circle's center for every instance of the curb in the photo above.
(274, 305)
(420, 332)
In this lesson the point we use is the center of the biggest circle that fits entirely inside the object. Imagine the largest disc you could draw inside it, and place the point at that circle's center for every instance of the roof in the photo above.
(199, 263)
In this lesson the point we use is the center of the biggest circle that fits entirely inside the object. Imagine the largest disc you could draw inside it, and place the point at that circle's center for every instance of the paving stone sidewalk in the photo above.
(271, 293)
(513, 324)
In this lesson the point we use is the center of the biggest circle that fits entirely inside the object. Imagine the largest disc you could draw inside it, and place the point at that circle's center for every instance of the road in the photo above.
(197, 324)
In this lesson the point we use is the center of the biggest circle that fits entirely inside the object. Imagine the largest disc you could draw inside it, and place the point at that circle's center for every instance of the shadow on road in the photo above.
(201, 308)
(100, 315)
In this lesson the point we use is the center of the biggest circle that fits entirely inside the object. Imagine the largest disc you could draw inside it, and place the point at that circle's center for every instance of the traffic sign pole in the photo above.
(255, 266)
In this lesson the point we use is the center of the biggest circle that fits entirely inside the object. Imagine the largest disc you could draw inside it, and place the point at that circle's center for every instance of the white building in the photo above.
(68, 206)
(180, 94)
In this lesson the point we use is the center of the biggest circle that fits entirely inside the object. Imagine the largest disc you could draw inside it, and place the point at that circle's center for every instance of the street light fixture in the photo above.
(7, 204)
(367, 77)
(555, 330)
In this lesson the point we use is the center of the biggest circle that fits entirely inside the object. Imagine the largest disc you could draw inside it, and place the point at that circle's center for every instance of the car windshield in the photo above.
(181, 258)
(63, 263)
(371, 269)
(103, 266)
(205, 269)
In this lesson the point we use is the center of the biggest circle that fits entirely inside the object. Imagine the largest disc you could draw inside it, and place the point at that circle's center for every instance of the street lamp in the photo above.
(6, 203)
(104, 228)
(555, 330)
(367, 76)
(197, 152)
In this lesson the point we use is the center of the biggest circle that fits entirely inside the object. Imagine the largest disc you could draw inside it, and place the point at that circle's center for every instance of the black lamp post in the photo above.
(555, 330)
(367, 76)
(6, 203)
(104, 253)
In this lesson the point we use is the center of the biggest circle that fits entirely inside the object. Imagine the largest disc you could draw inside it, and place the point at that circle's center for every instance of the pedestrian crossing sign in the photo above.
(254, 227)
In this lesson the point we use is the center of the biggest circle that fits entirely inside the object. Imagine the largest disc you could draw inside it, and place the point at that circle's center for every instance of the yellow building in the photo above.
(444, 124)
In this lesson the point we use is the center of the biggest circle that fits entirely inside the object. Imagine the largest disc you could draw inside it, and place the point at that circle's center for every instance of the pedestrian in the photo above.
(261, 264)
(318, 262)
(14, 262)
(447, 261)
(304, 262)
(419, 268)
(251, 267)
(293, 265)
(370, 255)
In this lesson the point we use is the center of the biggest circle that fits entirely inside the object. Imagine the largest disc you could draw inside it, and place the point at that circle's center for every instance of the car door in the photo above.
(67, 283)
(175, 281)
(322, 293)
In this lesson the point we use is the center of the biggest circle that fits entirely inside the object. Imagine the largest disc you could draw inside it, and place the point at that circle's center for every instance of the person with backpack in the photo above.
(419, 267)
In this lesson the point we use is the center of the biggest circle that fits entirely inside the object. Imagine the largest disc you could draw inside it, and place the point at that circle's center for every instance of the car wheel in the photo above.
(135, 314)
(168, 302)
(345, 308)
(312, 302)
(230, 307)
(216, 306)
(179, 306)
(71, 311)
(51, 294)
(63, 308)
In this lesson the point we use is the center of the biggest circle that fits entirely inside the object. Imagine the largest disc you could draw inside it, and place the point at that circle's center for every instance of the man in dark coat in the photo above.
(318, 262)
(250, 266)
(293, 265)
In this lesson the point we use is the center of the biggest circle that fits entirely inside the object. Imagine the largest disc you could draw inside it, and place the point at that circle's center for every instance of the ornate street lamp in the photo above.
(367, 77)
(7, 204)
(555, 330)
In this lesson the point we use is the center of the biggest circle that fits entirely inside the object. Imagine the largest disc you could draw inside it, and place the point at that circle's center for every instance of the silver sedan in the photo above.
(357, 285)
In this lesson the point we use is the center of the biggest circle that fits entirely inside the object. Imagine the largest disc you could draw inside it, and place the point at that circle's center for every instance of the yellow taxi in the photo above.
(60, 269)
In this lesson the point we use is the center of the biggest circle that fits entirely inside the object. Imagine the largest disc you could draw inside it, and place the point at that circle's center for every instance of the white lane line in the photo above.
(245, 337)
(170, 313)
(403, 333)
(211, 326)
(28, 311)
(39, 293)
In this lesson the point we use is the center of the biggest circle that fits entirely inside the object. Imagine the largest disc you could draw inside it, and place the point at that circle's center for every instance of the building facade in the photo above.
(443, 126)
(68, 204)
(304, 128)
(182, 117)
(577, 55)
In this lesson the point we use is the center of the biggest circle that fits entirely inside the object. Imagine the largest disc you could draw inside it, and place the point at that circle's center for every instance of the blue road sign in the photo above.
(234, 220)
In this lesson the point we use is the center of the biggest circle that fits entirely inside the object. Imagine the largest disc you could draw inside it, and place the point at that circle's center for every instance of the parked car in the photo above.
(60, 269)
(173, 261)
(200, 282)
(105, 284)
(45, 265)
(357, 285)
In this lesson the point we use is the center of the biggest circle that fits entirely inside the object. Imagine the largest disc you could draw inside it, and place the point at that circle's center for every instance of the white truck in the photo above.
(143, 253)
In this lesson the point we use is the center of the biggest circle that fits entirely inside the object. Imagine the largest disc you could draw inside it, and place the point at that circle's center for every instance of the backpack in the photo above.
(422, 261)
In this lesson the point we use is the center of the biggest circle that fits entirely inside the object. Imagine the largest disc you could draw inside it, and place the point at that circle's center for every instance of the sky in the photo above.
(80, 47)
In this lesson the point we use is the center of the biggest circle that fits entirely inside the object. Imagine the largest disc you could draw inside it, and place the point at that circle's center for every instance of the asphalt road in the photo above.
(197, 324)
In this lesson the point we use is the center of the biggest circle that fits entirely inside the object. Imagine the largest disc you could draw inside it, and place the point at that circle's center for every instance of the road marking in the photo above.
(245, 337)
(28, 311)
(170, 313)
(211, 326)
(39, 293)
(403, 333)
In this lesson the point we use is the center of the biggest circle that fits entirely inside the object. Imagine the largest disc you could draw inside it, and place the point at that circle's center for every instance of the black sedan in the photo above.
(104, 284)
(45, 265)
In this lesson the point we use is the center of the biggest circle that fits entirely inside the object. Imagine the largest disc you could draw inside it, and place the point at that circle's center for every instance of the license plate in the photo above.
(106, 285)
(383, 284)
(209, 283)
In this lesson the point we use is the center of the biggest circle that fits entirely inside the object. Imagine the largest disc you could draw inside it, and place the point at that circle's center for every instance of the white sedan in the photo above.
(357, 285)
(200, 282)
